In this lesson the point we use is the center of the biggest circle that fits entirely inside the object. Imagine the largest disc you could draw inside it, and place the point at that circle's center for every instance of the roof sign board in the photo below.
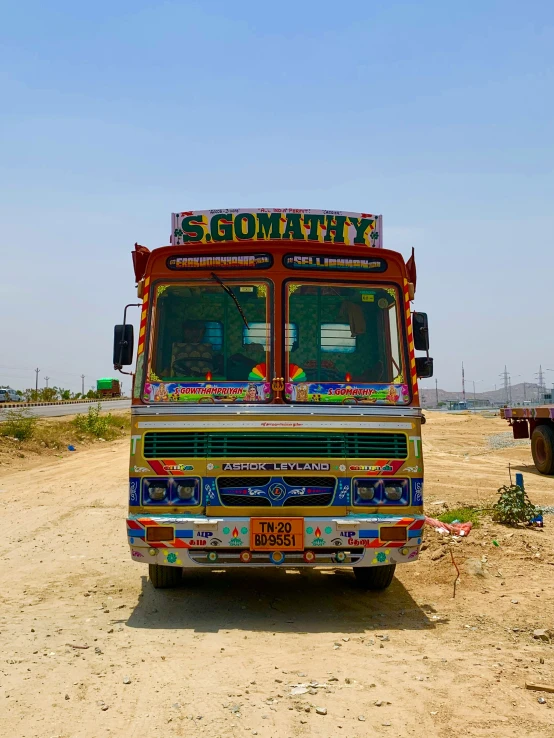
(267, 224)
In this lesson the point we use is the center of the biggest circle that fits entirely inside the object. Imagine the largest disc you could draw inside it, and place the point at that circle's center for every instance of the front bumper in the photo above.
(201, 541)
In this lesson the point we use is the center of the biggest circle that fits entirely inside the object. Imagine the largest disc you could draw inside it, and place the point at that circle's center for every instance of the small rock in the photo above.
(541, 634)
(299, 690)
(312, 691)
(303, 722)
(361, 718)
(541, 660)
(126, 680)
(541, 701)
(438, 554)
(386, 725)
(105, 707)
(515, 602)
(98, 650)
(307, 709)
(110, 630)
(321, 710)
(378, 703)
(348, 680)
(346, 639)
(66, 696)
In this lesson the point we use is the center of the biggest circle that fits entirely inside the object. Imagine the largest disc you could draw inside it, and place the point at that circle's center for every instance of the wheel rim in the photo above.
(540, 450)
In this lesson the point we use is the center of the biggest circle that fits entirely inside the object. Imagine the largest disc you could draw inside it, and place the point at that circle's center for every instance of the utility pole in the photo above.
(505, 377)
(436, 390)
(46, 380)
(82, 384)
(540, 388)
(463, 384)
(37, 370)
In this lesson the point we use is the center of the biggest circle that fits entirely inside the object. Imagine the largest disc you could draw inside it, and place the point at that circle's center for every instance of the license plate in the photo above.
(277, 534)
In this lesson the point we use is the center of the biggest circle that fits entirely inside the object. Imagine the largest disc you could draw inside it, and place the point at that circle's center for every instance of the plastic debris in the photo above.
(71, 448)
(460, 529)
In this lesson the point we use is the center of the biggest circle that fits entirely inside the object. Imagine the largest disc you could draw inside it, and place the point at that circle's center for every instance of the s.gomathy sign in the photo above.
(239, 225)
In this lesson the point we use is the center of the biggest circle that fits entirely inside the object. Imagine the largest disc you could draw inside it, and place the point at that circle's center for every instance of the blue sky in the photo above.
(437, 115)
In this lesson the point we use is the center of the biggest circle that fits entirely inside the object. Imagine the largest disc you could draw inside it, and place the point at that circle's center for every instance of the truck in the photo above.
(108, 387)
(276, 414)
(536, 423)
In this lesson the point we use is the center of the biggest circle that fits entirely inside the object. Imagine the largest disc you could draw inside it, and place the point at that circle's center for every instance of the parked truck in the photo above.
(108, 387)
(536, 423)
(275, 415)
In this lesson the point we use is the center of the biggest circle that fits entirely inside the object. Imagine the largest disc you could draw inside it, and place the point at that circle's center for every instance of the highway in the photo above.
(49, 411)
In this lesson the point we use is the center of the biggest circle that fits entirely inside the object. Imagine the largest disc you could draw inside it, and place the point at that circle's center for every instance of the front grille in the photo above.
(234, 482)
(310, 481)
(270, 444)
(244, 501)
(309, 500)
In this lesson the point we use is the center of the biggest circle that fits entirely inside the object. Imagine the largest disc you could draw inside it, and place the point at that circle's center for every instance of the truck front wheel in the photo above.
(542, 448)
(163, 577)
(374, 577)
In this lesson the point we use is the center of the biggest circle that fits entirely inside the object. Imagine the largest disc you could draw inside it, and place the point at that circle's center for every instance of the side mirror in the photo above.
(424, 367)
(420, 327)
(123, 341)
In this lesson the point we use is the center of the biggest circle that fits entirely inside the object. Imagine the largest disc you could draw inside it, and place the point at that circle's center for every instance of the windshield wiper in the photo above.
(232, 295)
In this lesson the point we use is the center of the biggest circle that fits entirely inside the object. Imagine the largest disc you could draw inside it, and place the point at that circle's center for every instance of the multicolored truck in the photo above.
(276, 418)
(536, 423)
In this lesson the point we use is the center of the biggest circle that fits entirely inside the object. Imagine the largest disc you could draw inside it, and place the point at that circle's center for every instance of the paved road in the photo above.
(73, 409)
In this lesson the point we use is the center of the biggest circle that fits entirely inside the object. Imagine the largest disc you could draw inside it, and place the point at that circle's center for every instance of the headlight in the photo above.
(393, 492)
(157, 493)
(185, 491)
(366, 493)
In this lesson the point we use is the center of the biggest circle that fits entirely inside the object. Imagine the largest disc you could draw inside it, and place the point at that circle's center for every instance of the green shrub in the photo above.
(100, 426)
(18, 424)
(513, 506)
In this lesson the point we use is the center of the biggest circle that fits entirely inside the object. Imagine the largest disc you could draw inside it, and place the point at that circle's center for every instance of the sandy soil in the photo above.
(90, 649)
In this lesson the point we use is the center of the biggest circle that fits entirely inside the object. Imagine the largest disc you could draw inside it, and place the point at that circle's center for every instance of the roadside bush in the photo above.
(18, 424)
(513, 506)
(100, 426)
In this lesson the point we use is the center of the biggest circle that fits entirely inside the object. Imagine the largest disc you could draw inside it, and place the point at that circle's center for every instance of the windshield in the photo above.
(344, 343)
(201, 346)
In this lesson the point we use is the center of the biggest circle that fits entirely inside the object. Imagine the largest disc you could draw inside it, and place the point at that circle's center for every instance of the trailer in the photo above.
(536, 423)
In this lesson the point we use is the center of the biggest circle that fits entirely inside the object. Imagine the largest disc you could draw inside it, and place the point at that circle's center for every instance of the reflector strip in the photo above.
(393, 533)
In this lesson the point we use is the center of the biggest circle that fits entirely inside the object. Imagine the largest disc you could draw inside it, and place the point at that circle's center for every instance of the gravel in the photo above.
(506, 440)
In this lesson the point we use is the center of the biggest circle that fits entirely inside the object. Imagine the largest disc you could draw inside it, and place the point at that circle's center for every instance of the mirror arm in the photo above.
(119, 366)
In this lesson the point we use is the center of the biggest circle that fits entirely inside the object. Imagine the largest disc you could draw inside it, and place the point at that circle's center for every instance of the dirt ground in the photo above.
(90, 649)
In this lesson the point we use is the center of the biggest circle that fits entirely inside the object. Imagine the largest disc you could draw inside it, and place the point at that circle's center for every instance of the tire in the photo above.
(374, 577)
(164, 577)
(542, 448)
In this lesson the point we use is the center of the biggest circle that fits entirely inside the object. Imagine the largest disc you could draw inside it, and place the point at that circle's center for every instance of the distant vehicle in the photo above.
(536, 423)
(9, 395)
(108, 387)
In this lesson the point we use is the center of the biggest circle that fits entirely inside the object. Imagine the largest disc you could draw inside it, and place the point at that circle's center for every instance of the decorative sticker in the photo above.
(378, 394)
(134, 491)
(233, 261)
(417, 492)
(197, 391)
(340, 263)
(280, 224)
